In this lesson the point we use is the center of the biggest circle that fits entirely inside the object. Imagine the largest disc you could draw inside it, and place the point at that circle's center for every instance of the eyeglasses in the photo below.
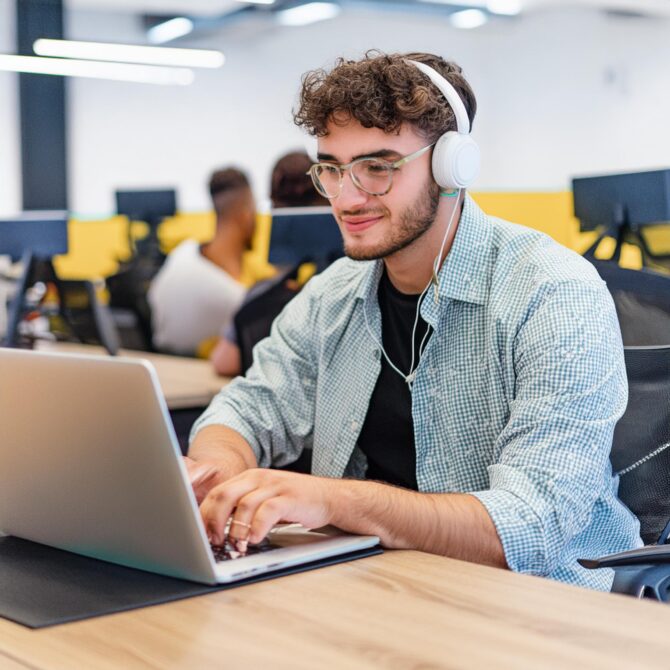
(372, 175)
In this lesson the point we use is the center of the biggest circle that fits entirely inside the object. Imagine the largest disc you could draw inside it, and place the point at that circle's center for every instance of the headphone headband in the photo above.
(455, 161)
(450, 93)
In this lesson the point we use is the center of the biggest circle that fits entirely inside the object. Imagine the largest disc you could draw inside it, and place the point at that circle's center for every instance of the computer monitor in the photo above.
(622, 207)
(304, 233)
(612, 201)
(151, 206)
(41, 234)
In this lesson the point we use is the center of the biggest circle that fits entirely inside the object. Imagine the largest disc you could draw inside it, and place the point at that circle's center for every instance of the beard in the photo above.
(413, 222)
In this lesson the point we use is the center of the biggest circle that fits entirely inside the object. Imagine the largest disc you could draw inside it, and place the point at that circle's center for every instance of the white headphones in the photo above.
(456, 157)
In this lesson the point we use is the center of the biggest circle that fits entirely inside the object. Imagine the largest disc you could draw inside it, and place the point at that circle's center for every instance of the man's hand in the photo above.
(217, 454)
(254, 500)
(258, 499)
(203, 476)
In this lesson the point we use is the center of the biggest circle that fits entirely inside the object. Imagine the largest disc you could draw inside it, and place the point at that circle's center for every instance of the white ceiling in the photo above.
(217, 7)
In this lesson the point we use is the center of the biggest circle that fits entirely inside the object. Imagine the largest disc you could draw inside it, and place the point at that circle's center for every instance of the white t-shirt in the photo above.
(191, 300)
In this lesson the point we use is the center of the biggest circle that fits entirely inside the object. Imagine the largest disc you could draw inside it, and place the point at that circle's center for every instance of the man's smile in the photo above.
(357, 224)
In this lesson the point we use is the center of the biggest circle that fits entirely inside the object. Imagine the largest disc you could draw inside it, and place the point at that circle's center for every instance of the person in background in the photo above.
(290, 186)
(201, 286)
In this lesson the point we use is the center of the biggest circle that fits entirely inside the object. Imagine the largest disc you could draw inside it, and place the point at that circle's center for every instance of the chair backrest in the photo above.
(89, 320)
(641, 446)
(253, 320)
(642, 301)
(128, 291)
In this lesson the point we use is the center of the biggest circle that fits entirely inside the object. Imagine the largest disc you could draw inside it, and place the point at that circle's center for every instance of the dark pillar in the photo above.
(42, 111)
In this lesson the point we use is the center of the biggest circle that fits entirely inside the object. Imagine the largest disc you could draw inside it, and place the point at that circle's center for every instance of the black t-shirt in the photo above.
(387, 436)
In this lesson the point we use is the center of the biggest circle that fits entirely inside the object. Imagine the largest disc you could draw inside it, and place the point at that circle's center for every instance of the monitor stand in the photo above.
(16, 304)
(623, 233)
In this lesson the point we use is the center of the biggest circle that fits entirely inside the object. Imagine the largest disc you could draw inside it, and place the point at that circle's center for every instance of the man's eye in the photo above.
(376, 168)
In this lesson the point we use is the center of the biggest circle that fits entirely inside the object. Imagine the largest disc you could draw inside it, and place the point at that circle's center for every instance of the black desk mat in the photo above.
(41, 586)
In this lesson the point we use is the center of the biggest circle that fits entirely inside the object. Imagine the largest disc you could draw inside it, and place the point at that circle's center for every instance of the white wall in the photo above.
(560, 93)
(10, 167)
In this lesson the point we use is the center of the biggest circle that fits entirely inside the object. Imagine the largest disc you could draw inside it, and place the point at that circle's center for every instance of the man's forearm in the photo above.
(219, 444)
(449, 524)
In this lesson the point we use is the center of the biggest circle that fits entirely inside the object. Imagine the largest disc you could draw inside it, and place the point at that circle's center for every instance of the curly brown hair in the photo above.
(382, 91)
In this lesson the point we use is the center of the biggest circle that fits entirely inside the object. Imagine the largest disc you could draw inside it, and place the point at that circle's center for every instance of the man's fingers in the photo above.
(256, 500)
(268, 515)
(218, 505)
(245, 510)
(215, 510)
(203, 477)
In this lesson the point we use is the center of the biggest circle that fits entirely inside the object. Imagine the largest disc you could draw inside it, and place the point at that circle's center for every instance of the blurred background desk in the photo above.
(403, 609)
(188, 384)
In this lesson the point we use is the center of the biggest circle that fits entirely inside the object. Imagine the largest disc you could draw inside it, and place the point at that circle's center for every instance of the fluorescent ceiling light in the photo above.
(312, 12)
(142, 74)
(505, 7)
(129, 53)
(170, 30)
(257, 2)
(468, 18)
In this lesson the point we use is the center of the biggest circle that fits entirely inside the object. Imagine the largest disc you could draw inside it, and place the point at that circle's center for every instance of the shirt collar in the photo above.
(463, 275)
(369, 284)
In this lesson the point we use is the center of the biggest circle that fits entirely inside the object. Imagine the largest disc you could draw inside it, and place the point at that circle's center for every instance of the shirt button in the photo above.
(377, 354)
(354, 425)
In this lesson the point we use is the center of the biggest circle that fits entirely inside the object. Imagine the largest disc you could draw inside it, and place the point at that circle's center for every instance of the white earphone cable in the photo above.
(409, 377)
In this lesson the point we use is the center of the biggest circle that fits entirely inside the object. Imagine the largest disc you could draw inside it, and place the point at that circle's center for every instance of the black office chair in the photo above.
(253, 322)
(128, 289)
(641, 458)
(254, 319)
(85, 318)
(641, 447)
(642, 301)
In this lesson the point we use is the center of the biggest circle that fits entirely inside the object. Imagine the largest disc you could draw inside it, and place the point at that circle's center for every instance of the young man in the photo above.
(458, 377)
(200, 287)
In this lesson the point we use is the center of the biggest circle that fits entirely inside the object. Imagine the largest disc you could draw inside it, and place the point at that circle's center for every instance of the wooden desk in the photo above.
(188, 383)
(401, 610)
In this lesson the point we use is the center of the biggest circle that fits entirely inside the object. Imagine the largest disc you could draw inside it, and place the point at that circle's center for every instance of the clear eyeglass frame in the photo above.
(389, 166)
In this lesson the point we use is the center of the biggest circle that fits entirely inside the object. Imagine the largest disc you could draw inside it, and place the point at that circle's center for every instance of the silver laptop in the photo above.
(89, 462)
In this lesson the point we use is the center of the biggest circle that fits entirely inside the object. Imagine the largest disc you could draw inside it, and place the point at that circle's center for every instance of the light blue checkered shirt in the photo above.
(515, 399)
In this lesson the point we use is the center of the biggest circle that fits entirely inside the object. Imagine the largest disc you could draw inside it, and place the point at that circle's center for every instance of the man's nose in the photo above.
(350, 197)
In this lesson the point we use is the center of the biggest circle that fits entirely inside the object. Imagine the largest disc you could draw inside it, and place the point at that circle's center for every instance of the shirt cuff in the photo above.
(519, 529)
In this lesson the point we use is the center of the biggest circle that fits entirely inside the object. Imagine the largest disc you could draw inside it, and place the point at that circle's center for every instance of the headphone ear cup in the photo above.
(456, 160)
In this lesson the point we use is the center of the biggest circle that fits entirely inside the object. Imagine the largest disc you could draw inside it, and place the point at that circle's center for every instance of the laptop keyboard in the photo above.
(228, 553)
